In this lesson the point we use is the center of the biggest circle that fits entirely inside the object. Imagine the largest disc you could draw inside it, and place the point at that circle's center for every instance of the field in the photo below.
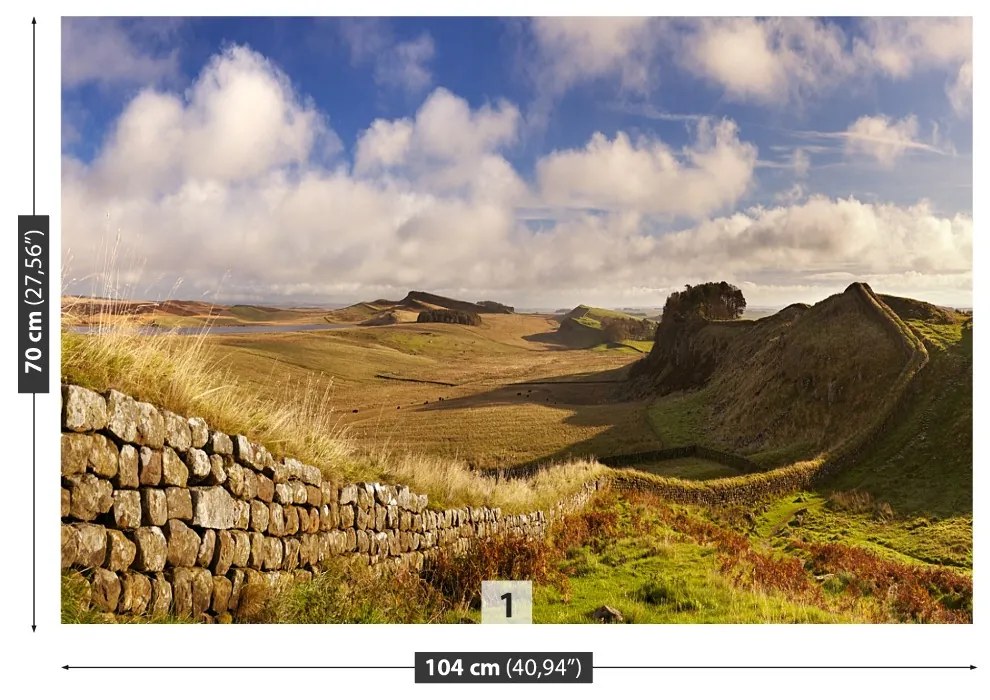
(436, 405)
(497, 395)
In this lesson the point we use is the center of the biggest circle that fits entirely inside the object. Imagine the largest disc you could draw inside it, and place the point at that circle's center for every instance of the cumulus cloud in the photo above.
(960, 90)
(648, 176)
(224, 187)
(396, 64)
(110, 52)
(446, 147)
(766, 60)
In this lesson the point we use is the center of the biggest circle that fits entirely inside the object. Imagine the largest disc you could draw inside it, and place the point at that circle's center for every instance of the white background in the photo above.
(32, 662)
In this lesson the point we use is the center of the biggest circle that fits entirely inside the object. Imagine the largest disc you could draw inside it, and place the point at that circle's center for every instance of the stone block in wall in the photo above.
(222, 587)
(314, 496)
(66, 502)
(177, 433)
(161, 595)
(182, 543)
(257, 558)
(350, 540)
(291, 559)
(70, 546)
(242, 548)
(347, 516)
(363, 519)
(235, 479)
(273, 553)
(380, 517)
(266, 488)
(313, 526)
(75, 453)
(291, 520)
(299, 492)
(260, 515)
(135, 593)
(392, 517)
(394, 543)
(242, 515)
(363, 541)
(150, 426)
(223, 555)
(149, 467)
(122, 416)
(91, 545)
(105, 590)
(417, 522)
(237, 580)
(207, 548)
(179, 502)
(218, 469)
(311, 475)
(120, 551)
(174, 470)
(199, 464)
(126, 509)
(283, 493)
(309, 549)
(90, 496)
(276, 520)
(127, 468)
(83, 410)
(250, 490)
(220, 444)
(405, 519)
(385, 495)
(154, 507)
(213, 507)
(152, 549)
(365, 495)
(202, 591)
(348, 495)
(182, 591)
(199, 432)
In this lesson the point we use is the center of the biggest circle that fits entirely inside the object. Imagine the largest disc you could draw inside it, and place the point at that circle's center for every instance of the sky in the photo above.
(537, 162)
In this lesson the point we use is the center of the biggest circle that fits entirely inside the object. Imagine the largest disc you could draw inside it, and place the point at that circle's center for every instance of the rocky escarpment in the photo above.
(163, 514)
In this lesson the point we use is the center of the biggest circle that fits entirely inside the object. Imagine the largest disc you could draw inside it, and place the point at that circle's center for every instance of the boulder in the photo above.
(607, 615)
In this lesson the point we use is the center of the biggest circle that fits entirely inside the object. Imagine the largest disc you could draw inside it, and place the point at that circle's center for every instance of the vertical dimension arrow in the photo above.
(32, 316)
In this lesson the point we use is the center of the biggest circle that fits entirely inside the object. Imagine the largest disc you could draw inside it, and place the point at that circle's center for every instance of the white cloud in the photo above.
(960, 90)
(246, 205)
(571, 50)
(401, 64)
(239, 120)
(648, 176)
(883, 139)
(107, 52)
(901, 46)
(769, 60)
(446, 147)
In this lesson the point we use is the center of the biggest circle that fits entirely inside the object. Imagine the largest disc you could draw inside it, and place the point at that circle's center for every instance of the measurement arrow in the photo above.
(796, 668)
(34, 113)
(34, 448)
(238, 668)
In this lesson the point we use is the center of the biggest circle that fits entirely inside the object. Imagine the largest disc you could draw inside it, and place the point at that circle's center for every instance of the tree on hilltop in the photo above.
(715, 301)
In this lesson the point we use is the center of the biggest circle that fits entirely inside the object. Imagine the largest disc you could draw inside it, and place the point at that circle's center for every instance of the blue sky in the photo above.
(543, 162)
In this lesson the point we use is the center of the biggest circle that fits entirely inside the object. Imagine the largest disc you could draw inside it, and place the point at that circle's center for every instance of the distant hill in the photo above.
(587, 326)
(798, 381)
(407, 309)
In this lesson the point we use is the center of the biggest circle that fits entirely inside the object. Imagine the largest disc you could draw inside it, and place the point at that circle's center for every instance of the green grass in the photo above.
(693, 468)
(679, 419)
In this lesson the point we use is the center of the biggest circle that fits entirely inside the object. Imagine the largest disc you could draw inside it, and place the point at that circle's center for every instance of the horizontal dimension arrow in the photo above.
(796, 668)
(235, 668)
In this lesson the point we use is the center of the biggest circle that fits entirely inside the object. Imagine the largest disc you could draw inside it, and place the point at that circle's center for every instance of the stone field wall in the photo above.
(162, 514)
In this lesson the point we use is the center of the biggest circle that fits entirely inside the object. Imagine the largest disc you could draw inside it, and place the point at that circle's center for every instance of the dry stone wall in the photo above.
(162, 514)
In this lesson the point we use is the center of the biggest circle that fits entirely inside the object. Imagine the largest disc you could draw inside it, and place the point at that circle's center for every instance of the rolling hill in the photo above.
(386, 312)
